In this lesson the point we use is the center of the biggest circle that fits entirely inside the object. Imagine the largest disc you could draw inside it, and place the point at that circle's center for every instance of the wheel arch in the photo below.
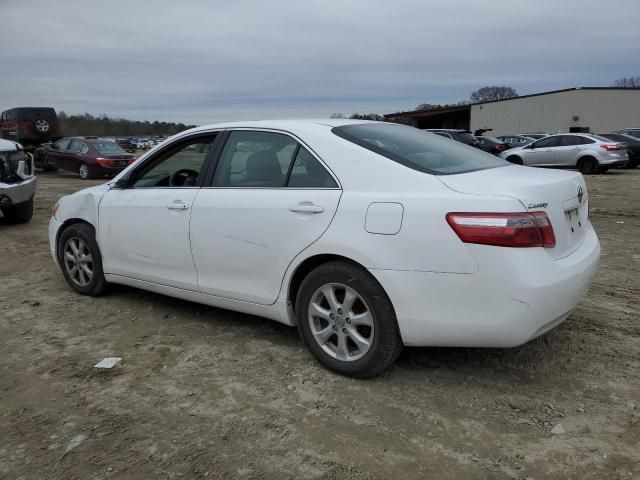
(309, 264)
(67, 223)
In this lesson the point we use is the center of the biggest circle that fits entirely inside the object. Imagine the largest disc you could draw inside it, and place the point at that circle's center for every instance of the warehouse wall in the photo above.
(600, 110)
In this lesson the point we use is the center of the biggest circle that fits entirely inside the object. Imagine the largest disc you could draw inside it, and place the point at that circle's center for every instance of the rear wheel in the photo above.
(588, 166)
(514, 159)
(347, 321)
(632, 163)
(80, 260)
(19, 213)
(84, 172)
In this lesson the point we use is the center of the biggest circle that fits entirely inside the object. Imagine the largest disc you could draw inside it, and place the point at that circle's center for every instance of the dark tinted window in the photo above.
(547, 142)
(464, 137)
(570, 140)
(585, 140)
(307, 172)
(417, 149)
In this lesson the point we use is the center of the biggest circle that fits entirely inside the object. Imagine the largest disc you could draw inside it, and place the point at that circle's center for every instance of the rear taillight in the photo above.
(531, 229)
(610, 147)
(105, 162)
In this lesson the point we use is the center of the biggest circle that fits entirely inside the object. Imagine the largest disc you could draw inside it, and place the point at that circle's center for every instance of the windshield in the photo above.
(108, 148)
(417, 149)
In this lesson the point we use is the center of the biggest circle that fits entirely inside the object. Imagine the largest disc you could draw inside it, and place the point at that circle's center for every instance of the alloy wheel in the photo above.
(78, 261)
(341, 322)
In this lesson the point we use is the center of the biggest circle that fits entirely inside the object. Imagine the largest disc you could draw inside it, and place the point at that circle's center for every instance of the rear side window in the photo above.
(77, 147)
(307, 172)
(570, 141)
(418, 149)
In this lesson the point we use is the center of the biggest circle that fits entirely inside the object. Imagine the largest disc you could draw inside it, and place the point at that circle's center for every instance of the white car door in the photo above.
(143, 222)
(541, 153)
(270, 198)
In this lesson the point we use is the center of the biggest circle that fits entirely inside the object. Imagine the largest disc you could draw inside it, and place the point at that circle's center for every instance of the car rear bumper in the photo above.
(505, 304)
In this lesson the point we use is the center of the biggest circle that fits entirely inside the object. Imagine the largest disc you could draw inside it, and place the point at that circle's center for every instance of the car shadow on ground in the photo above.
(538, 354)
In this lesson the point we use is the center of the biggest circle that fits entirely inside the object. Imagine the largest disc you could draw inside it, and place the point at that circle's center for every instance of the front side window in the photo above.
(418, 149)
(178, 166)
(546, 142)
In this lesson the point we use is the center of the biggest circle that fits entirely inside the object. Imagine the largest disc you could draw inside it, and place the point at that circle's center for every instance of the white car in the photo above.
(587, 152)
(367, 236)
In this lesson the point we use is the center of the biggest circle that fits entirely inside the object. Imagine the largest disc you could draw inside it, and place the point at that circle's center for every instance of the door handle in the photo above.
(178, 206)
(306, 208)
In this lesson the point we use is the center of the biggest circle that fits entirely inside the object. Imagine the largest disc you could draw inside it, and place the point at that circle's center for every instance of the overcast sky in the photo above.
(206, 61)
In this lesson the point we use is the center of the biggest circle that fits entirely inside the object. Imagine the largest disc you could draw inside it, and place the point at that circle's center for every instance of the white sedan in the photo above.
(366, 236)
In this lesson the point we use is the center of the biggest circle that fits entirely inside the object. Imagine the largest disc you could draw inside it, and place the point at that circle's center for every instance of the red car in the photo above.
(90, 157)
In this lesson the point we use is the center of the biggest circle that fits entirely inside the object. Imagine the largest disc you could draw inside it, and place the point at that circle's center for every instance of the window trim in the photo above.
(208, 180)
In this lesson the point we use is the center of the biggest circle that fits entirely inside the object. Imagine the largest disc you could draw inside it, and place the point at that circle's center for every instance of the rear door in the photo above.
(567, 151)
(269, 199)
(72, 158)
(541, 153)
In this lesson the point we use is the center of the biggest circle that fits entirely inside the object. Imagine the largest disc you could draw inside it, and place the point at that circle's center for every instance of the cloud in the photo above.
(205, 61)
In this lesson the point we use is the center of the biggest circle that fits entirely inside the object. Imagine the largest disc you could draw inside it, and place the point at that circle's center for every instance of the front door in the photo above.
(143, 227)
(541, 152)
(269, 200)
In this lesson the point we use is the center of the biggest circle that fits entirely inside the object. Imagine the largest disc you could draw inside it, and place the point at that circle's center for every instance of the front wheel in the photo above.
(347, 321)
(80, 260)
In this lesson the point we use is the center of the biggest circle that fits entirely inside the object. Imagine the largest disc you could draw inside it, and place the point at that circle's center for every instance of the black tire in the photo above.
(84, 171)
(386, 344)
(603, 169)
(632, 163)
(514, 159)
(19, 213)
(97, 284)
(588, 166)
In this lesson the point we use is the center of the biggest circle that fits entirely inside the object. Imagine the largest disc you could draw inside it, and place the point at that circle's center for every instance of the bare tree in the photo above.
(631, 82)
(492, 93)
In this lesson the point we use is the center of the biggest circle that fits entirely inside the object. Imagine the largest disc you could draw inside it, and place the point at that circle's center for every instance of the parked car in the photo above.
(90, 157)
(126, 145)
(17, 183)
(386, 226)
(588, 153)
(633, 146)
(535, 136)
(634, 132)
(516, 140)
(462, 136)
(143, 143)
(30, 126)
(492, 145)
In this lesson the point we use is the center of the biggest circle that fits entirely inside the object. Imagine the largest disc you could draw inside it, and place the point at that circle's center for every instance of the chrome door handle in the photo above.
(178, 206)
(306, 208)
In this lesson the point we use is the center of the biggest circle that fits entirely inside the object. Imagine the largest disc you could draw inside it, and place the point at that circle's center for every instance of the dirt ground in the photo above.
(208, 393)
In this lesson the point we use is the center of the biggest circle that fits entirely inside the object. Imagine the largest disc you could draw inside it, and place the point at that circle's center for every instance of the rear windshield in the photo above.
(417, 149)
(108, 147)
(465, 137)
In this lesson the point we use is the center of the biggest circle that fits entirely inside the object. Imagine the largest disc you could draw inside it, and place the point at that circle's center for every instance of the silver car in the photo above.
(587, 152)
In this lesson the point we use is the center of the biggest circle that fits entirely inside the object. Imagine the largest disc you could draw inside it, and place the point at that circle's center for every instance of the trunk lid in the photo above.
(562, 195)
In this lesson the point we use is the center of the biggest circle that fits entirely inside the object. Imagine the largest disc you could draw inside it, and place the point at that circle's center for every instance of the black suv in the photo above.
(30, 126)
(462, 136)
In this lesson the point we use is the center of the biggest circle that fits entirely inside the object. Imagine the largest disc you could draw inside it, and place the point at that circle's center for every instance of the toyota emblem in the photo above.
(580, 193)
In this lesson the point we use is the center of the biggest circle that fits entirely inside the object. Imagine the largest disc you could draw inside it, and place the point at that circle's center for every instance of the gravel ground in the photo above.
(208, 393)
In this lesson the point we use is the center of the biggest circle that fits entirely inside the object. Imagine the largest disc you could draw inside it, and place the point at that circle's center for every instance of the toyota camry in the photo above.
(366, 236)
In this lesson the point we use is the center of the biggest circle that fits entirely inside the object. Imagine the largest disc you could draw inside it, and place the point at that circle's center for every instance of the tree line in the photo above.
(104, 126)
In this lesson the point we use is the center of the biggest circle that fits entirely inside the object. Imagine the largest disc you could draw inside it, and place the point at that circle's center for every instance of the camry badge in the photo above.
(580, 193)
